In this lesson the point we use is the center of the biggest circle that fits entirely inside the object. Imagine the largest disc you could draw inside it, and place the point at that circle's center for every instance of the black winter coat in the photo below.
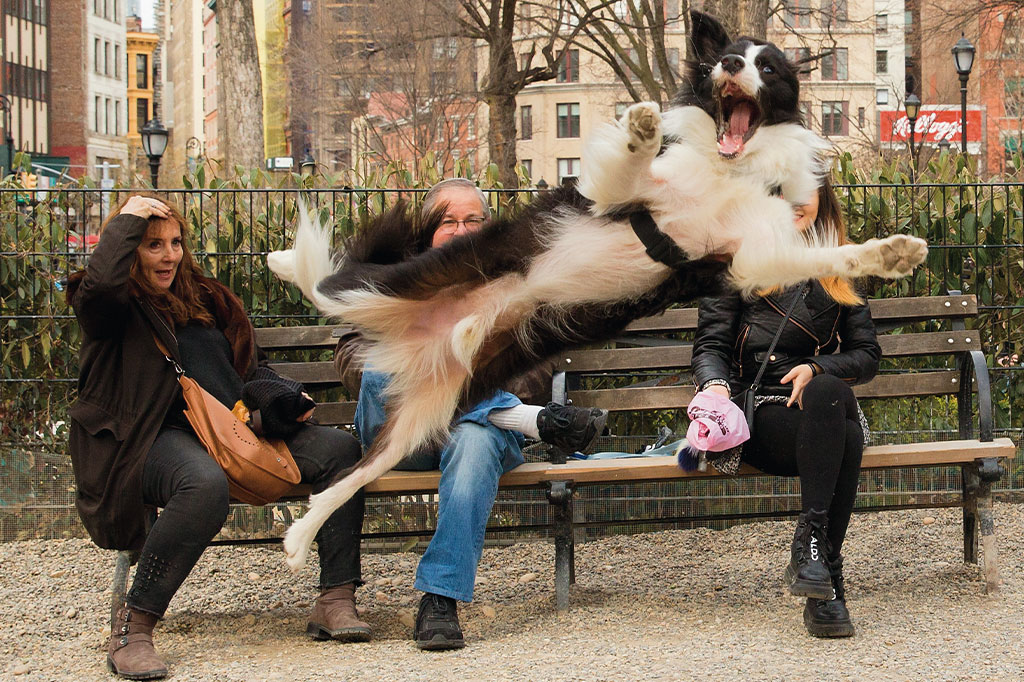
(733, 337)
(125, 384)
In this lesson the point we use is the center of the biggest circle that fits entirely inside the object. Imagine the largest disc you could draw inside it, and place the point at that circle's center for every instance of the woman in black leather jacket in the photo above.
(807, 422)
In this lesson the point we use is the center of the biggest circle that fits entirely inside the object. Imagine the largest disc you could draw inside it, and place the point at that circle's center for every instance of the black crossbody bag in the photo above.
(750, 394)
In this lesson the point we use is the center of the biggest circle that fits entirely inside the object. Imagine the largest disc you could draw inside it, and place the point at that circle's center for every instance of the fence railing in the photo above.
(975, 231)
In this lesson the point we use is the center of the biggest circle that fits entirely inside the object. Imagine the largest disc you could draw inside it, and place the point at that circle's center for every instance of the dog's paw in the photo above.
(893, 256)
(643, 123)
(295, 547)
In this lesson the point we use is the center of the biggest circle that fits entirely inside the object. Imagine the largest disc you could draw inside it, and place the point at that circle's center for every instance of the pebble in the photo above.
(71, 612)
(380, 596)
(254, 576)
(662, 605)
(928, 520)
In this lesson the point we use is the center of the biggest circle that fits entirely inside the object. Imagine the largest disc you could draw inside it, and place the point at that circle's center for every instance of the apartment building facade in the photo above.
(89, 117)
(140, 46)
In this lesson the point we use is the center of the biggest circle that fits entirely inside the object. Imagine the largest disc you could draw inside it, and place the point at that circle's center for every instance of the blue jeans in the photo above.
(471, 462)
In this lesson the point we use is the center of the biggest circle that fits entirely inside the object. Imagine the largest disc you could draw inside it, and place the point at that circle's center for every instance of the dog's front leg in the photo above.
(617, 158)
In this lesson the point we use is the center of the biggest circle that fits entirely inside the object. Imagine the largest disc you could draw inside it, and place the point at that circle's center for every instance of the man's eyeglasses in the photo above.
(450, 224)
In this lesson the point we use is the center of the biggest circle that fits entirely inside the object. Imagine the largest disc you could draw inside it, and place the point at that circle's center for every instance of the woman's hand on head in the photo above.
(146, 207)
(799, 375)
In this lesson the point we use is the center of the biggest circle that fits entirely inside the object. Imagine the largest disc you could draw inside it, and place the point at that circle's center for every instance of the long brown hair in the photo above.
(184, 301)
(830, 228)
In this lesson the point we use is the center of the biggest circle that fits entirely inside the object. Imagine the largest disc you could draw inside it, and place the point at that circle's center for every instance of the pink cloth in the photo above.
(717, 423)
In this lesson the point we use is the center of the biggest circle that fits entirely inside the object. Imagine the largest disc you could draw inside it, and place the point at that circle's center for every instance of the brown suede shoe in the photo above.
(130, 651)
(334, 616)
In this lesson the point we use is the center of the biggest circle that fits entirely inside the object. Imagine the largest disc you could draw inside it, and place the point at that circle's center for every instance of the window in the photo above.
(860, 117)
(97, 55)
(805, 113)
(908, 21)
(834, 65)
(107, 116)
(881, 96)
(527, 165)
(672, 54)
(569, 67)
(117, 62)
(471, 127)
(114, 17)
(881, 61)
(796, 13)
(525, 59)
(833, 118)
(441, 81)
(106, 58)
(568, 169)
(445, 48)
(881, 23)
(568, 120)
(797, 55)
(526, 123)
(833, 12)
(97, 103)
(1014, 97)
(1013, 44)
(117, 114)
(142, 113)
(142, 71)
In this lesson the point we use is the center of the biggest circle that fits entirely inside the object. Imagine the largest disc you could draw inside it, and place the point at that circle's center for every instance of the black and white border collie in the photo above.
(454, 323)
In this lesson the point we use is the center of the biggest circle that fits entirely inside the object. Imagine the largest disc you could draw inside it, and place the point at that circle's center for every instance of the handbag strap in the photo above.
(778, 333)
(167, 354)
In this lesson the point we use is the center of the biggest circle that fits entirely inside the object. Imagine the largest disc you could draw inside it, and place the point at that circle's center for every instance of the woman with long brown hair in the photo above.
(132, 448)
(807, 422)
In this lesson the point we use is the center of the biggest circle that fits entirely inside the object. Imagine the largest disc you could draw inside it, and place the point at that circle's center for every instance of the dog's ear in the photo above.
(707, 38)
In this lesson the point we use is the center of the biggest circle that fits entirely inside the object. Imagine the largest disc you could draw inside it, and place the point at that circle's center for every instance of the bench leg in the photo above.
(119, 586)
(560, 496)
(979, 519)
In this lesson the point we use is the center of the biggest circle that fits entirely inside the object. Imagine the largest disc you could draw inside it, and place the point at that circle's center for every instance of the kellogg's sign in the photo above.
(932, 126)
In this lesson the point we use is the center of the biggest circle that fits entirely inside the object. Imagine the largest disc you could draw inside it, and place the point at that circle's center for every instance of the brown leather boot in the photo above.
(334, 616)
(130, 651)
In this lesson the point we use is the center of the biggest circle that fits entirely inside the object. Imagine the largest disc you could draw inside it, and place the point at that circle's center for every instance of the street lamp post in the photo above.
(5, 104)
(154, 142)
(913, 108)
(963, 59)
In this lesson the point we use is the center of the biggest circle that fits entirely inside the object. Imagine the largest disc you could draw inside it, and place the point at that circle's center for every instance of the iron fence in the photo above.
(976, 233)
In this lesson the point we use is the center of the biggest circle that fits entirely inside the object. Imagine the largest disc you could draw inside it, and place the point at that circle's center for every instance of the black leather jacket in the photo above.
(733, 337)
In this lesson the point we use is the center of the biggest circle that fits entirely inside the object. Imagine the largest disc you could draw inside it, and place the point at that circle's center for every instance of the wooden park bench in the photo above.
(653, 345)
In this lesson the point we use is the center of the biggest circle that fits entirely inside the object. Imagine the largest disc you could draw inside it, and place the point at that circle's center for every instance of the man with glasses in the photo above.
(485, 442)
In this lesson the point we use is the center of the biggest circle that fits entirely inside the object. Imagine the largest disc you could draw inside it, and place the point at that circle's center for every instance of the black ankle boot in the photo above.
(808, 574)
(570, 428)
(829, 617)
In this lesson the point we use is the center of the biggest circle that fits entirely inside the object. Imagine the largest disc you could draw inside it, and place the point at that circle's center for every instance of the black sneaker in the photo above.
(570, 428)
(437, 624)
(807, 574)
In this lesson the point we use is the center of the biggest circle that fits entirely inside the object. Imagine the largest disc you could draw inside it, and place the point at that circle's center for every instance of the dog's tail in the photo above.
(420, 409)
(309, 261)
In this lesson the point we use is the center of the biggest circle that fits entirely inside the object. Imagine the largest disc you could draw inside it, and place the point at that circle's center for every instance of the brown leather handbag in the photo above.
(259, 470)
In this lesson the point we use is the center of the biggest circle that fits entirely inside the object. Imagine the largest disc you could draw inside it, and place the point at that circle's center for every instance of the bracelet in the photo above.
(715, 382)
(815, 368)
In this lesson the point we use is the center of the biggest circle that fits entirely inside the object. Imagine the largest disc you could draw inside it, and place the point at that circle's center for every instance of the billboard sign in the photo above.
(934, 125)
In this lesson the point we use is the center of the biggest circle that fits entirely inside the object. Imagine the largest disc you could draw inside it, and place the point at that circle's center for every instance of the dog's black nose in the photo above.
(733, 63)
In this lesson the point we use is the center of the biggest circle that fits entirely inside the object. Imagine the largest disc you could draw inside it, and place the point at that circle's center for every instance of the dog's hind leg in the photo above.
(419, 411)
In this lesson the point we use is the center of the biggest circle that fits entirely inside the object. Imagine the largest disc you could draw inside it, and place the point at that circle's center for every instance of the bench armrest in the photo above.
(974, 368)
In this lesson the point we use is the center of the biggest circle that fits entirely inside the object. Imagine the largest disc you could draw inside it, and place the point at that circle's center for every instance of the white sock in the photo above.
(521, 418)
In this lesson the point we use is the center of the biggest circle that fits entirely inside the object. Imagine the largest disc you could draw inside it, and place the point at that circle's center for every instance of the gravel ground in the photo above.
(679, 605)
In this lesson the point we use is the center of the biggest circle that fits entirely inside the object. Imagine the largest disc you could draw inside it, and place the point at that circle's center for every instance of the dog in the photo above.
(450, 325)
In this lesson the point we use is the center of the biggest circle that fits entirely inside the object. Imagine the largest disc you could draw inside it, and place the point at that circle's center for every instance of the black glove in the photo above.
(275, 403)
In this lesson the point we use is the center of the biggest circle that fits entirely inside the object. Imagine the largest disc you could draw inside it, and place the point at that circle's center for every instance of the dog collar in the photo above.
(659, 245)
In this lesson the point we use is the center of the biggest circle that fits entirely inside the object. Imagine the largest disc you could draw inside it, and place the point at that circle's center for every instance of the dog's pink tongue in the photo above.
(739, 123)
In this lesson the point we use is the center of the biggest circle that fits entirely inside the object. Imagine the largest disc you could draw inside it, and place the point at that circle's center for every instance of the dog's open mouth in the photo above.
(739, 118)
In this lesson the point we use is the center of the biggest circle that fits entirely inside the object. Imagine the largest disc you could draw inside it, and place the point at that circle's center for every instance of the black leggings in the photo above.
(182, 478)
(822, 444)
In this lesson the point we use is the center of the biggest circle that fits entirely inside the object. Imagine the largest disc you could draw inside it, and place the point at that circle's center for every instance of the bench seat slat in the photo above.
(533, 474)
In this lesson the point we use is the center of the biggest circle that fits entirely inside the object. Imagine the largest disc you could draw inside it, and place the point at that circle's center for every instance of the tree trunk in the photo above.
(241, 92)
(754, 18)
(501, 137)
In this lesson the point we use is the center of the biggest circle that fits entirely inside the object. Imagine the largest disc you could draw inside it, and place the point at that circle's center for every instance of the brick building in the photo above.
(88, 75)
